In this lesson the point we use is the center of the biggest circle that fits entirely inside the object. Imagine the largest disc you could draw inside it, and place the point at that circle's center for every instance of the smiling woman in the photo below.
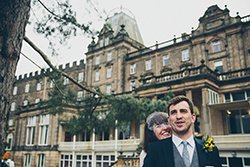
(156, 128)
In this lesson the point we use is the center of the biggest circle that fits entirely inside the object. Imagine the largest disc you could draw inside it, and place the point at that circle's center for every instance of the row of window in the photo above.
(236, 96)
(13, 106)
(84, 160)
(98, 58)
(213, 96)
(218, 64)
(235, 162)
(39, 84)
(108, 73)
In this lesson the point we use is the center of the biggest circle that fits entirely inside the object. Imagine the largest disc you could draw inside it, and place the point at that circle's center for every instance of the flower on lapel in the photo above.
(208, 145)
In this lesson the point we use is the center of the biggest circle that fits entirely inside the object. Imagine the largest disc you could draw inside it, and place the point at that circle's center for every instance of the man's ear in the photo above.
(193, 117)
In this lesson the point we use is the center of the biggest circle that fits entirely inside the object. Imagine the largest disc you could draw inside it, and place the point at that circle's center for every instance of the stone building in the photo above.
(211, 66)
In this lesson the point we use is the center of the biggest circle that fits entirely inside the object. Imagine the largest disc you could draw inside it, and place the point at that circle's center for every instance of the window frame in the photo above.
(27, 88)
(148, 65)
(185, 56)
(97, 75)
(80, 76)
(43, 130)
(165, 60)
(133, 68)
(216, 46)
(109, 72)
(30, 130)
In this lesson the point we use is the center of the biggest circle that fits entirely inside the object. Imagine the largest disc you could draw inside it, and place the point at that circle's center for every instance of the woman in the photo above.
(156, 128)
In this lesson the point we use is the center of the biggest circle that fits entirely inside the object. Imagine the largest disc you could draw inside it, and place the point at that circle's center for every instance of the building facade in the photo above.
(211, 66)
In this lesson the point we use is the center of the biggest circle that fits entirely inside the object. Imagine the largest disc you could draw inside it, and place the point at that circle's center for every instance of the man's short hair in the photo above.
(177, 99)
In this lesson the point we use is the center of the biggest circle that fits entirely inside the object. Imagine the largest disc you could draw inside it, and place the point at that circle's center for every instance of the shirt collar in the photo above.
(177, 141)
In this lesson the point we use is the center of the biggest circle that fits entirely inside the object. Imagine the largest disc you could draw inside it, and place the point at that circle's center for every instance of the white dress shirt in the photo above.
(191, 145)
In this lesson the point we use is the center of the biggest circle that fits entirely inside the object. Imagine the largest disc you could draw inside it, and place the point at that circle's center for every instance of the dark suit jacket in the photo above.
(160, 154)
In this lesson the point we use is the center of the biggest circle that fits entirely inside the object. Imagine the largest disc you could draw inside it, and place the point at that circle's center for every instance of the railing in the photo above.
(124, 145)
(234, 74)
(158, 46)
(245, 19)
(190, 72)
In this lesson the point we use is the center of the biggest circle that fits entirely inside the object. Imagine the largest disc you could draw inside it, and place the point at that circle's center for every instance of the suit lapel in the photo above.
(202, 155)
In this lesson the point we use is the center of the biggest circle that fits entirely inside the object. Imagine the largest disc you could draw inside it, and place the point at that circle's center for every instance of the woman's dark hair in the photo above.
(149, 137)
(155, 118)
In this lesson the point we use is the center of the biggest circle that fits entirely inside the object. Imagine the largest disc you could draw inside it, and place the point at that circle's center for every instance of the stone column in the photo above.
(205, 122)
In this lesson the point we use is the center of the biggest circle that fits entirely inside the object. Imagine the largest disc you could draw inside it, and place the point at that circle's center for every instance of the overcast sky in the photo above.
(158, 20)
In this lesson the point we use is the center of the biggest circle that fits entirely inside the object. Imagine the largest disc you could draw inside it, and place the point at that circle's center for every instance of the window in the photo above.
(104, 160)
(237, 96)
(43, 129)
(109, 56)
(216, 46)
(109, 89)
(14, 90)
(41, 160)
(51, 84)
(213, 97)
(131, 85)
(132, 68)
(65, 80)
(247, 161)
(124, 133)
(83, 160)
(218, 65)
(79, 95)
(97, 60)
(106, 42)
(165, 60)
(101, 136)
(97, 75)
(85, 135)
(10, 123)
(68, 136)
(37, 100)
(27, 88)
(148, 65)
(185, 55)
(109, 72)
(9, 141)
(30, 132)
(66, 160)
(25, 102)
(101, 42)
(80, 77)
(38, 86)
(27, 160)
(13, 106)
(238, 122)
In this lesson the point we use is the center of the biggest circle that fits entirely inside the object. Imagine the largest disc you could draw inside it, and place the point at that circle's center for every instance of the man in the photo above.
(182, 149)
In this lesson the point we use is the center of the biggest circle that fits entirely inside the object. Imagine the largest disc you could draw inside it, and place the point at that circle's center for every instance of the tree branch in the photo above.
(45, 58)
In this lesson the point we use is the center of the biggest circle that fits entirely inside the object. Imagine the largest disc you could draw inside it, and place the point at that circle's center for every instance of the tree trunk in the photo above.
(14, 15)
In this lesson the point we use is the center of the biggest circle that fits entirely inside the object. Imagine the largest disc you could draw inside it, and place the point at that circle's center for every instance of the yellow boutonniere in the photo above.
(208, 144)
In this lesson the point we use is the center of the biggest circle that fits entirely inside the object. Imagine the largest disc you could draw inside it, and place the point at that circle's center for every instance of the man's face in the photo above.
(181, 119)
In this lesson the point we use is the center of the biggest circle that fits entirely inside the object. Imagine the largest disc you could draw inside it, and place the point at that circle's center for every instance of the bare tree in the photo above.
(14, 17)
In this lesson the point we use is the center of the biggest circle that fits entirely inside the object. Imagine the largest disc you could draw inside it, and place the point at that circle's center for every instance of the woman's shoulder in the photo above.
(162, 142)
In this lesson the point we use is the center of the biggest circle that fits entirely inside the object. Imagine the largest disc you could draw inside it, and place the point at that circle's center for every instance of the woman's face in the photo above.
(162, 131)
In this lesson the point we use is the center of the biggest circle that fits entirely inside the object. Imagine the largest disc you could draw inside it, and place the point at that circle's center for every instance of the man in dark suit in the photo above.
(182, 149)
